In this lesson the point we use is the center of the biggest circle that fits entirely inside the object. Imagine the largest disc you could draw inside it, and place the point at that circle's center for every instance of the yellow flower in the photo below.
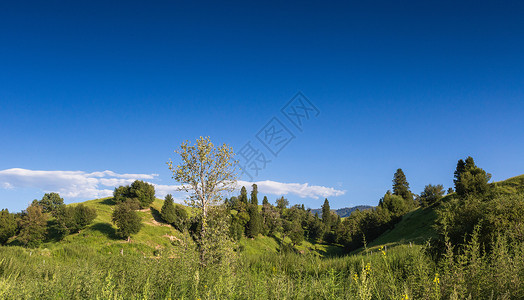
(405, 297)
(368, 268)
(436, 280)
(355, 277)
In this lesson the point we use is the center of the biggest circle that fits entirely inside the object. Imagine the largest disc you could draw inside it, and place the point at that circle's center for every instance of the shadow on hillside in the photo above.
(332, 251)
(108, 201)
(156, 215)
(106, 229)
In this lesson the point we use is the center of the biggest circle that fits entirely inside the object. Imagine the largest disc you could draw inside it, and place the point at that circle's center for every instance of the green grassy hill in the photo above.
(417, 226)
(154, 237)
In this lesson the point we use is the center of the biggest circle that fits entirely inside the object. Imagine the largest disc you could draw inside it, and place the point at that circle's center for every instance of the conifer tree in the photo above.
(265, 201)
(254, 194)
(461, 167)
(168, 210)
(254, 225)
(326, 214)
(243, 195)
(401, 187)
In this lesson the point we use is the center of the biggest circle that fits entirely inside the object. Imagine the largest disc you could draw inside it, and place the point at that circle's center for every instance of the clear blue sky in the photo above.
(109, 85)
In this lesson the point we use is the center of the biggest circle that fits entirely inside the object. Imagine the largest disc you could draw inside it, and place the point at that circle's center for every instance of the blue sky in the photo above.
(92, 86)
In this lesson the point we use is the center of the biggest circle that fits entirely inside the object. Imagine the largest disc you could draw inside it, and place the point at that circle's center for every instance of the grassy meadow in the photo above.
(160, 263)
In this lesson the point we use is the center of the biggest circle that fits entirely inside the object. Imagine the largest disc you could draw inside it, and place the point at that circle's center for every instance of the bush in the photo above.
(127, 220)
(72, 219)
(431, 195)
(139, 193)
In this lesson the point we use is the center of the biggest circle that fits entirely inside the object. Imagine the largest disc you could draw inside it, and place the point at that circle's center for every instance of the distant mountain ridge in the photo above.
(343, 212)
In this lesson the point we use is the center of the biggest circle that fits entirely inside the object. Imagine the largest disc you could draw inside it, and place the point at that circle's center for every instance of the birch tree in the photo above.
(204, 171)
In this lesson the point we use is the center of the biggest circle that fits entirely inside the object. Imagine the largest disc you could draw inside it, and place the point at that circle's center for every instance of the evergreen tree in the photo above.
(8, 225)
(168, 210)
(461, 167)
(127, 220)
(32, 226)
(265, 201)
(326, 214)
(254, 194)
(401, 187)
(254, 225)
(450, 191)
(243, 195)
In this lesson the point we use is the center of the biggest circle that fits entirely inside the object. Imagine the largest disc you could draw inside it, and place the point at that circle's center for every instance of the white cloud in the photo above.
(79, 184)
(302, 190)
(71, 184)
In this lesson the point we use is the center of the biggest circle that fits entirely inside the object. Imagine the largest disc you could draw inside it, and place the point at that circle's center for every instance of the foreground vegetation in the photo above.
(468, 244)
(403, 272)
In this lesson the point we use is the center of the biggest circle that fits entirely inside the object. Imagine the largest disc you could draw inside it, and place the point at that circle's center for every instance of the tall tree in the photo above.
(168, 209)
(401, 187)
(32, 226)
(243, 195)
(254, 225)
(205, 172)
(8, 225)
(254, 194)
(326, 214)
(126, 220)
(265, 201)
(461, 167)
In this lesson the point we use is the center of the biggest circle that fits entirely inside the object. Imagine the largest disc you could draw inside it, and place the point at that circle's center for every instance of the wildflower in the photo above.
(381, 249)
(355, 277)
(368, 268)
(405, 297)
(436, 280)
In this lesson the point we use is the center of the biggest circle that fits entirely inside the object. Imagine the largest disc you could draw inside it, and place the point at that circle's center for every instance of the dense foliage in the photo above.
(8, 225)
(126, 220)
(139, 192)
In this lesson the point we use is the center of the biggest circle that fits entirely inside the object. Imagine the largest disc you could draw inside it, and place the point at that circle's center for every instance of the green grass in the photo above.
(89, 265)
(100, 236)
(415, 227)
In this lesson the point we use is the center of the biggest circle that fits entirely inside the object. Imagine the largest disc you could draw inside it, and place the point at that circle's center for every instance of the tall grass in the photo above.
(403, 272)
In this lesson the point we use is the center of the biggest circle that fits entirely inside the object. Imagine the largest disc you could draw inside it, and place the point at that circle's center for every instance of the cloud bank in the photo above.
(302, 190)
(79, 184)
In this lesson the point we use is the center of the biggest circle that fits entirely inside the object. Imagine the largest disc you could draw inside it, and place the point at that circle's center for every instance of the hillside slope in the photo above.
(417, 225)
(155, 237)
